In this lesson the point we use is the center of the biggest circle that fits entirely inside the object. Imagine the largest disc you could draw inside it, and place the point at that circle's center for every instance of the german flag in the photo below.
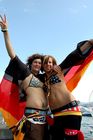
(11, 106)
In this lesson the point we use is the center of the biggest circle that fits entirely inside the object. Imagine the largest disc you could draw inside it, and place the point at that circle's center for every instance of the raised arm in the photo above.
(4, 29)
(76, 57)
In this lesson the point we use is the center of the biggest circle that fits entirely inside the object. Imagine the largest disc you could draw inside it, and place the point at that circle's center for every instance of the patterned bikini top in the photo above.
(35, 82)
(53, 79)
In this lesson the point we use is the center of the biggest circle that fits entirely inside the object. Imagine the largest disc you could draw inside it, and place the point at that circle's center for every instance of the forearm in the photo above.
(86, 47)
(4, 29)
(72, 59)
(8, 44)
(76, 57)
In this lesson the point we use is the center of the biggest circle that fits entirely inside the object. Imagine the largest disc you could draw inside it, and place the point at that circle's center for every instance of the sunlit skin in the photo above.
(32, 98)
(36, 66)
(59, 94)
(48, 66)
(35, 96)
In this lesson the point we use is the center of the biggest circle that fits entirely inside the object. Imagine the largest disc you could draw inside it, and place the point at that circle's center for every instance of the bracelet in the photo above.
(4, 30)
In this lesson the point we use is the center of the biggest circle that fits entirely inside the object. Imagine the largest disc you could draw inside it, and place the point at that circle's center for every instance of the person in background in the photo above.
(64, 106)
(34, 126)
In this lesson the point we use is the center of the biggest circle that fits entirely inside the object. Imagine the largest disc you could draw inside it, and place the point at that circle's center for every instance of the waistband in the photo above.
(29, 110)
(69, 105)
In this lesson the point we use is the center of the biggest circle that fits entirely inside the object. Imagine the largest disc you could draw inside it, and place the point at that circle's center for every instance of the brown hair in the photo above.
(32, 58)
(46, 58)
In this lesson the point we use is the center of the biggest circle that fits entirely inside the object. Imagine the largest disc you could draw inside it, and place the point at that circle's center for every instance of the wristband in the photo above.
(4, 30)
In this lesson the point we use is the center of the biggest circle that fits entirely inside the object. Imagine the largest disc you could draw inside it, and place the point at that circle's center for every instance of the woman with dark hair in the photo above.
(34, 63)
(33, 59)
(28, 79)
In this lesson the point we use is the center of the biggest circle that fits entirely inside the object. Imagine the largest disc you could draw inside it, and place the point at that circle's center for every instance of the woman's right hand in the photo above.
(4, 29)
(3, 22)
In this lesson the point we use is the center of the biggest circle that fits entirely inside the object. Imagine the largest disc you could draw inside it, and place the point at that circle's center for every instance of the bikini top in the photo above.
(53, 79)
(32, 82)
(35, 82)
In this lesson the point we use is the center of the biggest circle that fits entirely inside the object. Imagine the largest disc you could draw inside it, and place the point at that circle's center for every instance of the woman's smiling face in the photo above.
(48, 65)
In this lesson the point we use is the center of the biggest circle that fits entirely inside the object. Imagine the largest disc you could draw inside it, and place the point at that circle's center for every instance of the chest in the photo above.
(31, 81)
(49, 82)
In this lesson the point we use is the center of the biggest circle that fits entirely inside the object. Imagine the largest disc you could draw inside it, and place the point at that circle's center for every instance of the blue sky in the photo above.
(45, 26)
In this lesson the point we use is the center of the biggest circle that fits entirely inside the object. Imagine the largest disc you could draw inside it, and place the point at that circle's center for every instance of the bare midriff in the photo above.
(59, 94)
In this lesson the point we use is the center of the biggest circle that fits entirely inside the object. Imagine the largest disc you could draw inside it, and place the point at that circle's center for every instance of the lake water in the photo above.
(87, 127)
